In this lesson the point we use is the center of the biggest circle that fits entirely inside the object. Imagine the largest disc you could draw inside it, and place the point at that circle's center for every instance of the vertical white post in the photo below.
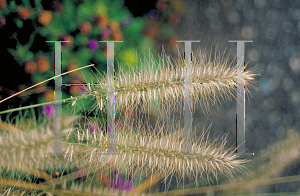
(58, 105)
(240, 141)
(110, 98)
(188, 118)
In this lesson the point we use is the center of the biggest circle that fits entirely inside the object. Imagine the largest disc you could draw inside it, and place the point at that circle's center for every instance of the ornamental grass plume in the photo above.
(213, 78)
(148, 151)
(25, 147)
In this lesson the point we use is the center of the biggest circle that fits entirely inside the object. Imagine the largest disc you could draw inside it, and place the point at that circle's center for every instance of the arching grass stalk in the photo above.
(273, 162)
(37, 105)
(234, 186)
(79, 188)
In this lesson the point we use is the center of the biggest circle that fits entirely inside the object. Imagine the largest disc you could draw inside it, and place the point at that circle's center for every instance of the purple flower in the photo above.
(82, 89)
(2, 22)
(48, 110)
(153, 14)
(120, 183)
(93, 127)
(105, 33)
(93, 45)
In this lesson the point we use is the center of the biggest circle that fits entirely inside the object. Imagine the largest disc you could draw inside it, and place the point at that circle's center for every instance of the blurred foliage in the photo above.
(33, 22)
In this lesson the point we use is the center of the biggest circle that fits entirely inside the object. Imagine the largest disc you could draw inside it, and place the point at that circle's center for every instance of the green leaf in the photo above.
(26, 3)
(99, 8)
(44, 31)
(68, 16)
(5, 11)
(134, 29)
(19, 23)
(54, 29)
(129, 56)
(95, 32)
(37, 3)
(22, 50)
(84, 12)
(81, 40)
(100, 57)
(66, 55)
(57, 26)
(145, 45)
(12, 5)
(29, 56)
(166, 32)
(85, 55)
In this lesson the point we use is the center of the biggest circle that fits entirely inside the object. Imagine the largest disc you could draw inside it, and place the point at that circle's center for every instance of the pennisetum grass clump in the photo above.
(153, 151)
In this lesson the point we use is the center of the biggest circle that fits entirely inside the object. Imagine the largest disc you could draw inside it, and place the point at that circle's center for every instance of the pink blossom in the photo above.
(48, 110)
(93, 127)
(120, 183)
(93, 45)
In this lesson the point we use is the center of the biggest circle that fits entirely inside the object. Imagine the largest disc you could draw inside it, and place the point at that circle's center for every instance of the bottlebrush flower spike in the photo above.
(87, 188)
(155, 150)
(28, 147)
(164, 81)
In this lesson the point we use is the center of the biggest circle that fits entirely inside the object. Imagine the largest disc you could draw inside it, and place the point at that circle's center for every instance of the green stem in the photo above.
(84, 145)
(41, 104)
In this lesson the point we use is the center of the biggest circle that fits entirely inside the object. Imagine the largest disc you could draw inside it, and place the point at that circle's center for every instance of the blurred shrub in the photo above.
(30, 23)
